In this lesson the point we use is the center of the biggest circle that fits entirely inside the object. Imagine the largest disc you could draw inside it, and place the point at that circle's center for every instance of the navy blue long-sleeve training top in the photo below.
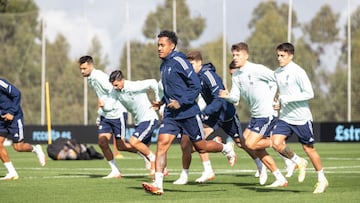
(180, 83)
(10, 99)
(211, 83)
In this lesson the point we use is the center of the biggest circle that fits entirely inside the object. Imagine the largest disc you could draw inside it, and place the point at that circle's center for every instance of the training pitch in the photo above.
(80, 181)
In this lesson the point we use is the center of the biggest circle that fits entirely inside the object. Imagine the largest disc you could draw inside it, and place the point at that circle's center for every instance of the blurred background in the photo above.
(41, 40)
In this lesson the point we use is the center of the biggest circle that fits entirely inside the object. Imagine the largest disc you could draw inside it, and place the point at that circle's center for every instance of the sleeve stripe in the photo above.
(3, 84)
(211, 78)
(182, 62)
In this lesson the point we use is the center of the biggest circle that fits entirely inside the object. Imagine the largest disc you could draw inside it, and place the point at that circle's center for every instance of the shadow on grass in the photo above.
(84, 175)
(264, 189)
(182, 190)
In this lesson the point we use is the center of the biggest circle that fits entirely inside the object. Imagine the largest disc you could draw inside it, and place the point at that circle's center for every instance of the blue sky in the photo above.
(79, 21)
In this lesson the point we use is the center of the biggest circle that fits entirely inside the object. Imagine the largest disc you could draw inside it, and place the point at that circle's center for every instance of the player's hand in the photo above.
(156, 105)
(223, 93)
(8, 117)
(174, 104)
(97, 122)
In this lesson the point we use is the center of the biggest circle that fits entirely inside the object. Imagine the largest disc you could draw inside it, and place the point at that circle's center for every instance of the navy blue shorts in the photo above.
(190, 126)
(14, 129)
(113, 126)
(145, 130)
(304, 132)
(263, 126)
(231, 127)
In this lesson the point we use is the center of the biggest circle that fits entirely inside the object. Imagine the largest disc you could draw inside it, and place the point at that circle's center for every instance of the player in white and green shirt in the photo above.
(295, 90)
(256, 84)
(112, 114)
(133, 95)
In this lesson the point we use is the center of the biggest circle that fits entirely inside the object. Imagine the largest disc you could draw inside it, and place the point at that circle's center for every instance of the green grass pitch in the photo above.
(80, 181)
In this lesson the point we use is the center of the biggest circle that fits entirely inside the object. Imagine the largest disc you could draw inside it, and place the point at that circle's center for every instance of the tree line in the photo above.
(20, 58)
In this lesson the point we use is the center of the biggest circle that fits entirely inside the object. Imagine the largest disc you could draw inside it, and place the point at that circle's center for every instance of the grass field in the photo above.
(80, 181)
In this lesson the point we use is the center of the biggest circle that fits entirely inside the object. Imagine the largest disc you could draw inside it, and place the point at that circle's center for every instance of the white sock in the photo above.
(185, 172)
(321, 175)
(287, 161)
(9, 166)
(226, 148)
(113, 165)
(207, 166)
(159, 178)
(140, 154)
(34, 149)
(296, 159)
(151, 156)
(278, 175)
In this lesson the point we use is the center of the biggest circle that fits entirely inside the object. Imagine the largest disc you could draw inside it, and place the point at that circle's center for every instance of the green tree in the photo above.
(322, 28)
(338, 89)
(188, 28)
(269, 28)
(65, 84)
(145, 63)
(20, 53)
(355, 62)
(270, 17)
(144, 59)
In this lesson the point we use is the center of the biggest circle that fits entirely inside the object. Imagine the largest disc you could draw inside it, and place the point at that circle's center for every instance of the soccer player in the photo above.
(112, 114)
(295, 90)
(256, 84)
(133, 95)
(181, 113)
(11, 126)
(218, 113)
(290, 165)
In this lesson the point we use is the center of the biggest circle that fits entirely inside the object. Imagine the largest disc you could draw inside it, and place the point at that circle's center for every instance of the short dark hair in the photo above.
(85, 59)
(116, 75)
(241, 46)
(194, 55)
(286, 47)
(169, 34)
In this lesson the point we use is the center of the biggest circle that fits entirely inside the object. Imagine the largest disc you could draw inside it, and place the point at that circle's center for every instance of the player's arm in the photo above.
(14, 94)
(211, 83)
(306, 90)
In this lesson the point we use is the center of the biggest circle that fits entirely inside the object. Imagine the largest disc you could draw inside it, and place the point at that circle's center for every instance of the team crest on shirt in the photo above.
(169, 70)
(250, 80)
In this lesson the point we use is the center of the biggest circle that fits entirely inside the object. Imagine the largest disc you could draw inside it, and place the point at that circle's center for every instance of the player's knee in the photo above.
(133, 141)
(250, 145)
(277, 146)
(103, 142)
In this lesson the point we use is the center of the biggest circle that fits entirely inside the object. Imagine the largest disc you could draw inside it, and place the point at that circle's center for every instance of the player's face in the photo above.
(240, 57)
(165, 47)
(85, 69)
(118, 84)
(284, 58)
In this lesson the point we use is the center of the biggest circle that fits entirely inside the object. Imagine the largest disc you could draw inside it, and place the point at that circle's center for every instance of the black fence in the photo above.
(324, 132)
